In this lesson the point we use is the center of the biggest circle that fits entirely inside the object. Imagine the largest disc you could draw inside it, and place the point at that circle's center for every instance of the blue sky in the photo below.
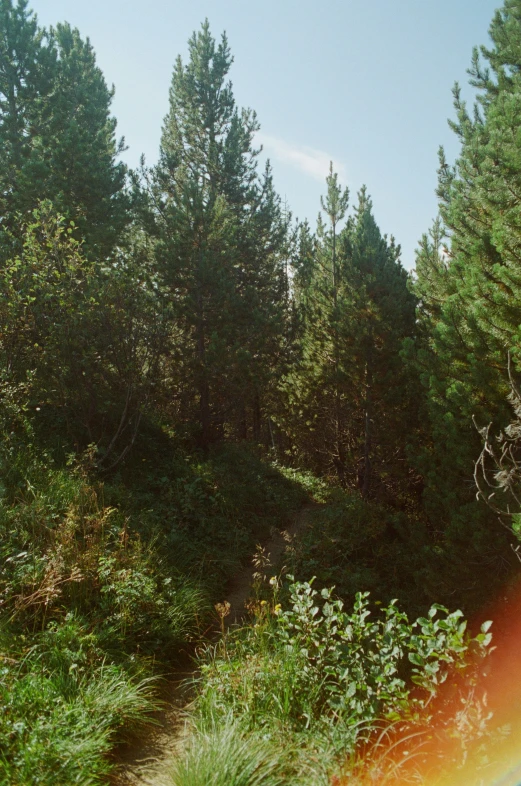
(366, 84)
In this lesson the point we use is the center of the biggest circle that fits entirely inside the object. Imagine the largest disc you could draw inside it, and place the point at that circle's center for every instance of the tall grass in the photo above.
(224, 755)
(58, 723)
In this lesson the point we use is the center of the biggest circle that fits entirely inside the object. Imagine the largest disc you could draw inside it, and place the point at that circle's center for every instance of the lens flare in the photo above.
(474, 735)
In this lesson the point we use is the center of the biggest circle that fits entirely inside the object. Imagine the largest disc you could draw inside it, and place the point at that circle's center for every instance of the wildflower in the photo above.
(273, 581)
(223, 609)
(264, 602)
(277, 609)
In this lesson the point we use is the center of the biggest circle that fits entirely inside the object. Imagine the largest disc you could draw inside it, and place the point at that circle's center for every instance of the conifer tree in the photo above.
(75, 161)
(26, 63)
(470, 296)
(221, 236)
(382, 318)
(56, 133)
(315, 386)
(335, 206)
(349, 387)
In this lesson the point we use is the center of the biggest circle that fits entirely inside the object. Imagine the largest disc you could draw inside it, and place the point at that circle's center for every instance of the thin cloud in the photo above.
(309, 160)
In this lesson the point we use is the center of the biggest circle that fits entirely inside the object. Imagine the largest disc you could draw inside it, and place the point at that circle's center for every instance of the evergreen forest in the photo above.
(259, 484)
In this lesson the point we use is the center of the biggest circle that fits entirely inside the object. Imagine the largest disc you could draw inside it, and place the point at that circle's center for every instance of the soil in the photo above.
(147, 759)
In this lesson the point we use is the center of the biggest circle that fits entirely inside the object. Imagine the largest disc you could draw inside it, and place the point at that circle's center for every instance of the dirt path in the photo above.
(148, 760)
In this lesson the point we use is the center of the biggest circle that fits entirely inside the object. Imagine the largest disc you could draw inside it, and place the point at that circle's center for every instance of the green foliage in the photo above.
(61, 704)
(220, 236)
(348, 392)
(223, 755)
(79, 340)
(57, 136)
(208, 515)
(469, 289)
(324, 679)
(353, 543)
(316, 665)
(317, 488)
(62, 548)
(99, 582)
(133, 334)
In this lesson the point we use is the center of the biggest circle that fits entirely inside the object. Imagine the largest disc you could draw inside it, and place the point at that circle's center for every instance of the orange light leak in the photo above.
(426, 756)
(497, 762)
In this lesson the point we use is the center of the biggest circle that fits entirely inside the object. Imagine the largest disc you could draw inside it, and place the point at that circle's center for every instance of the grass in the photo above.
(104, 584)
(224, 755)
(61, 706)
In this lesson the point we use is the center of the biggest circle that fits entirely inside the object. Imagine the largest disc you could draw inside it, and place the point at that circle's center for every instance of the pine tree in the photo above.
(315, 385)
(56, 133)
(382, 318)
(221, 235)
(335, 207)
(349, 386)
(77, 153)
(470, 296)
(26, 63)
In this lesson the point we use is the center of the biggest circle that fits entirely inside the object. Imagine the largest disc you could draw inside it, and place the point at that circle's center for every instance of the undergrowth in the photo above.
(353, 543)
(315, 682)
(105, 582)
(62, 703)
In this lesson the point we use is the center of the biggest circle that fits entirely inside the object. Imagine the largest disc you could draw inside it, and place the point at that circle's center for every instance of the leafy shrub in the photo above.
(83, 600)
(63, 548)
(207, 515)
(98, 582)
(354, 543)
(317, 669)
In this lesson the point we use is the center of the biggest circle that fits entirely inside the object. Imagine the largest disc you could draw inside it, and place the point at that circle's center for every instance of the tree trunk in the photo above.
(203, 385)
(257, 417)
(368, 428)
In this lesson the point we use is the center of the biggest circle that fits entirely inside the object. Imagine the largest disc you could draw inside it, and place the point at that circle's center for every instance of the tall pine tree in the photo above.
(57, 137)
(220, 241)
(469, 285)
(348, 393)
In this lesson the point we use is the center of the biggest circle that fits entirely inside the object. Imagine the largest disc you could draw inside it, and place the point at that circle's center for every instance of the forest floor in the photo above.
(147, 759)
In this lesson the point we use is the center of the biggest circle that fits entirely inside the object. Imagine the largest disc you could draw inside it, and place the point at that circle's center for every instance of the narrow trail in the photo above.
(148, 759)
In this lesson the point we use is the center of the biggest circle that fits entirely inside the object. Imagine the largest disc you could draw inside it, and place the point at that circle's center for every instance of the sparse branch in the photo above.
(497, 470)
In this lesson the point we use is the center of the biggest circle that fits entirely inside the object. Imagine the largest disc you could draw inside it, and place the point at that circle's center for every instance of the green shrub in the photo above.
(352, 543)
(318, 669)
(207, 515)
(99, 582)
(63, 549)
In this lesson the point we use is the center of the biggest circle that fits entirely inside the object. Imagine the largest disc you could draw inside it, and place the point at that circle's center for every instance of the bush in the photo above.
(316, 671)
(99, 582)
(354, 543)
(62, 548)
